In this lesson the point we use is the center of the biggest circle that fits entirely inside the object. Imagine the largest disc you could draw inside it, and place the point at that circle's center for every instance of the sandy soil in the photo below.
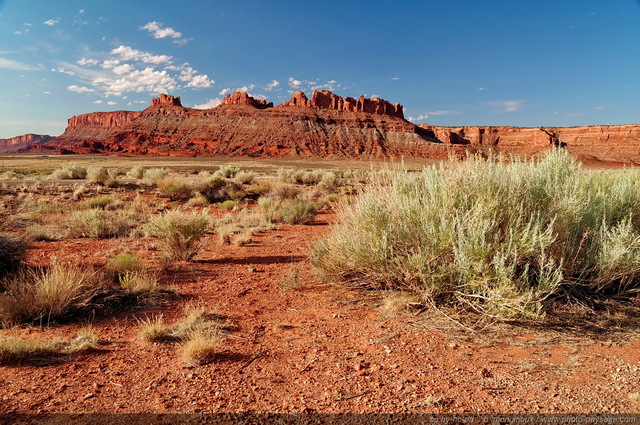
(315, 348)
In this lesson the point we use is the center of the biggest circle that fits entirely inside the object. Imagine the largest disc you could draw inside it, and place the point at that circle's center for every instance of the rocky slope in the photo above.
(20, 143)
(325, 125)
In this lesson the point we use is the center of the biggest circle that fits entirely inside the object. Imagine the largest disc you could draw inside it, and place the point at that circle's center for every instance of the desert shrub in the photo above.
(284, 191)
(12, 252)
(96, 223)
(152, 175)
(47, 207)
(228, 205)
(200, 333)
(69, 171)
(234, 191)
(212, 188)
(284, 174)
(198, 200)
(178, 234)
(174, 189)
(11, 175)
(45, 232)
(97, 174)
(262, 188)
(49, 293)
(244, 177)
(502, 237)
(101, 202)
(329, 182)
(290, 211)
(226, 172)
(125, 263)
(15, 350)
(241, 226)
(136, 172)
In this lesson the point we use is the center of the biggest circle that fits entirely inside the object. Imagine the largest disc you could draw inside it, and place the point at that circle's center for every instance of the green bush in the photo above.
(12, 252)
(501, 236)
(101, 202)
(178, 234)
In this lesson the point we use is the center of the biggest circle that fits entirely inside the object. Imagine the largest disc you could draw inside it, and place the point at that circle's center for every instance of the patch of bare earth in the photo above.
(312, 348)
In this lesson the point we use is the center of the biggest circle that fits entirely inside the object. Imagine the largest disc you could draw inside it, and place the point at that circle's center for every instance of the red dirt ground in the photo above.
(313, 349)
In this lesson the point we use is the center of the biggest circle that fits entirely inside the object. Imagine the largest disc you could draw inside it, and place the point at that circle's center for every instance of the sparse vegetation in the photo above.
(200, 333)
(175, 189)
(15, 350)
(70, 171)
(290, 211)
(101, 202)
(96, 223)
(178, 234)
(501, 237)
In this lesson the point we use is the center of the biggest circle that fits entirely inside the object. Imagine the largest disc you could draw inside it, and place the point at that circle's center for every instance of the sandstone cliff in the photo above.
(21, 143)
(325, 125)
(619, 143)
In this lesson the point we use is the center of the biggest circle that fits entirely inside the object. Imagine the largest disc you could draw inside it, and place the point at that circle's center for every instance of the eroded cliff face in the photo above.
(327, 125)
(619, 143)
(21, 143)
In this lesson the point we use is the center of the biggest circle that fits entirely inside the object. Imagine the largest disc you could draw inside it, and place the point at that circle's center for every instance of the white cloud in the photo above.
(208, 105)
(444, 112)
(506, 106)
(420, 117)
(294, 83)
(482, 89)
(63, 71)
(85, 61)
(599, 108)
(272, 85)
(156, 29)
(52, 22)
(47, 92)
(200, 82)
(18, 66)
(122, 69)
(80, 89)
(17, 32)
(246, 88)
(138, 81)
(110, 63)
(129, 53)
(111, 102)
(97, 102)
(224, 91)
(395, 78)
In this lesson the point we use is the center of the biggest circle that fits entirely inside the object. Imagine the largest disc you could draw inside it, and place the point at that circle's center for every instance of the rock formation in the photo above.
(324, 99)
(243, 98)
(325, 125)
(21, 143)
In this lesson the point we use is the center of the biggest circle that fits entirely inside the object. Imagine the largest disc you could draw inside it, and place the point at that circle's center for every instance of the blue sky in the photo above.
(465, 62)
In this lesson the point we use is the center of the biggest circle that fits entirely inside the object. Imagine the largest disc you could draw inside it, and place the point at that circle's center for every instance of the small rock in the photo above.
(88, 396)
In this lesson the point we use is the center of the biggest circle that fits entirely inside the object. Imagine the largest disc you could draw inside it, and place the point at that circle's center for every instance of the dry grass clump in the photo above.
(69, 171)
(290, 211)
(136, 172)
(239, 228)
(100, 202)
(95, 223)
(12, 252)
(227, 172)
(500, 237)
(152, 175)
(200, 333)
(174, 188)
(45, 294)
(16, 350)
(244, 177)
(178, 234)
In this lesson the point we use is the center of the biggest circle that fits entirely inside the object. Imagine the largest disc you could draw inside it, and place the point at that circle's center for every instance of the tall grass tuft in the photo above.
(178, 234)
(501, 236)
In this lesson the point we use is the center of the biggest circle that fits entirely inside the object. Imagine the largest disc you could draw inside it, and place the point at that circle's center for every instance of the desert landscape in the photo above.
(251, 212)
